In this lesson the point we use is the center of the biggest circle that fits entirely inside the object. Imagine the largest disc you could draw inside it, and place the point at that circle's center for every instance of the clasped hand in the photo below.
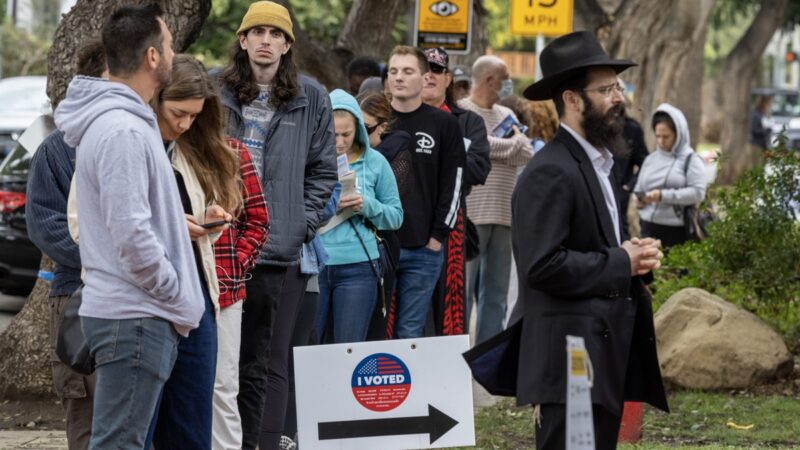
(645, 254)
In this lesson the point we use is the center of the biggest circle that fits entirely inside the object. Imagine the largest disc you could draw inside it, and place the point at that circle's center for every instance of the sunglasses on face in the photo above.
(371, 128)
(438, 69)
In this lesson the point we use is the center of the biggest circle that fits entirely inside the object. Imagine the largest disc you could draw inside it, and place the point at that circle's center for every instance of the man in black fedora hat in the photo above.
(578, 273)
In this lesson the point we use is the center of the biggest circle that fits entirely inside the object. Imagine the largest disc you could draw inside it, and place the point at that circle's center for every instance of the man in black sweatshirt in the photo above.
(431, 206)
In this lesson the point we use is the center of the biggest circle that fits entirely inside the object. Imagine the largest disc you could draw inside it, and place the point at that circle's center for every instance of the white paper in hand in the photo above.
(343, 165)
(580, 428)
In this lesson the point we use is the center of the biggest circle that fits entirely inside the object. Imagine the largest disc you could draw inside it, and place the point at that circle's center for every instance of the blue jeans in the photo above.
(491, 270)
(349, 292)
(134, 358)
(417, 275)
(183, 416)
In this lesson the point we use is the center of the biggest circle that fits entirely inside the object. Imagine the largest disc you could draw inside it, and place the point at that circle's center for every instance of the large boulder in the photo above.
(707, 343)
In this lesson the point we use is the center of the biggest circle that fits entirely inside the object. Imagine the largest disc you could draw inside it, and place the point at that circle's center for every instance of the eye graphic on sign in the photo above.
(444, 9)
(381, 382)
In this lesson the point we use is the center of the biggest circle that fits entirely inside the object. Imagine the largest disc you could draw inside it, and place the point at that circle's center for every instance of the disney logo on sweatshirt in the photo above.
(425, 143)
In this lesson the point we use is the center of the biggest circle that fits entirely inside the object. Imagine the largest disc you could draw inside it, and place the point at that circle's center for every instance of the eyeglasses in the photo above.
(371, 128)
(437, 69)
(607, 91)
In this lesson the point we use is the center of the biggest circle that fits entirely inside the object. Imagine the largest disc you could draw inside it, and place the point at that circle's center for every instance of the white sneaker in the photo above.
(287, 443)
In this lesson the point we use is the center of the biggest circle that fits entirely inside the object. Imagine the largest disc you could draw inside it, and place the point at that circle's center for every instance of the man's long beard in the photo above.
(605, 130)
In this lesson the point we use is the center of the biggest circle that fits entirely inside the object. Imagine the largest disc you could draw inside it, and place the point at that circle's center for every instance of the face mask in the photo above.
(506, 88)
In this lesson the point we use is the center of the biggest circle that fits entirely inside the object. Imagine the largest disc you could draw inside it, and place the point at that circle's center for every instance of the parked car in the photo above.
(784, 113)
(19, 258)
(22, 99)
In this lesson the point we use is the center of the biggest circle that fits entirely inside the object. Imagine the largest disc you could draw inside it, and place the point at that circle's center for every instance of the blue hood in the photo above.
(342, 100)
(87, 98)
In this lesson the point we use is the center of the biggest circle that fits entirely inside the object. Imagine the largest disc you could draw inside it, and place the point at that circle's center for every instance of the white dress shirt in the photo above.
(602, 162)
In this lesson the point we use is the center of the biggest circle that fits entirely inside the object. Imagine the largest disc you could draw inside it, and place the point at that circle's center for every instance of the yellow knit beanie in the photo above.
(269, 14)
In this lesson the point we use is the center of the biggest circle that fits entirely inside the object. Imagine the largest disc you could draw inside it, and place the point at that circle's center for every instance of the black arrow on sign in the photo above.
(436, 424)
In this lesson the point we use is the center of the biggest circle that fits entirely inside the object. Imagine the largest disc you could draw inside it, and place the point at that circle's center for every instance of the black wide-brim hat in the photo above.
(567, 55)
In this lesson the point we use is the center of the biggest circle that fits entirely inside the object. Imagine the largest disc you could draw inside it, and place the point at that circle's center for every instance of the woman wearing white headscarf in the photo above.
(671, 178)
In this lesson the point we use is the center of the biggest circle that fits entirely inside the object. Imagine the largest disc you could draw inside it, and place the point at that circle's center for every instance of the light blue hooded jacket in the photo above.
(134, 244)
(381, 201)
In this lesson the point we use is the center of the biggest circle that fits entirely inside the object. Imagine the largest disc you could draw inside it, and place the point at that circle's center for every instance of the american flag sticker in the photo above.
(381, 382)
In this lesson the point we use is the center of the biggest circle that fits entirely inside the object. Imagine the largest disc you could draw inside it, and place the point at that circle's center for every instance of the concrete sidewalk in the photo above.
(39, 440)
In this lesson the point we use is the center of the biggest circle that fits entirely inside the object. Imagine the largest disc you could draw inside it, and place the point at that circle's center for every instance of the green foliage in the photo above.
(322, 23)
(751, 256)
(219, 32)
(499, 28)
(321, 20)
(726, 12)
(729, 21)
(723, 34)
(23, 53)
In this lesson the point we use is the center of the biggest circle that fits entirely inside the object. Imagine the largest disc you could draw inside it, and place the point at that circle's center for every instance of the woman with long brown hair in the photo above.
(207, 171)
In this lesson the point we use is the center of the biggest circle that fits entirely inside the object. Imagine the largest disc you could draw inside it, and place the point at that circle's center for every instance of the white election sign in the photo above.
(400, 394)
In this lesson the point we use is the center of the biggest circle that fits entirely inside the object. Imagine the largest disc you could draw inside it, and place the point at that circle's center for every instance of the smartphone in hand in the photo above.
(213, 224)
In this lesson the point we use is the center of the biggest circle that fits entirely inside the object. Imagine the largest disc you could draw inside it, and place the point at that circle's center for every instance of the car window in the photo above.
(16, 163)
(786, 105)
(25, 97)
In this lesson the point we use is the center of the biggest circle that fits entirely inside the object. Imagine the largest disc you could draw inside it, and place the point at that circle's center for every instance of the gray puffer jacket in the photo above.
(299, 167)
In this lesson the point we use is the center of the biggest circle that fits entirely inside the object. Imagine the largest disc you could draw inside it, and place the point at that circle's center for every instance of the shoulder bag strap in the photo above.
(372, 266)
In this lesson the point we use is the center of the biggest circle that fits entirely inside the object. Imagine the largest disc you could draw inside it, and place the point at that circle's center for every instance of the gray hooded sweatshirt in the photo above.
(664, 169)
(134, 245)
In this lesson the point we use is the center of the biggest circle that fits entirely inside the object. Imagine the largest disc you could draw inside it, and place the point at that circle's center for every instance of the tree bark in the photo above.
(24, 345)
(479, 40)
(184, 18)
(740, 71)
(367, 29)
(364, 34)
(667, 43)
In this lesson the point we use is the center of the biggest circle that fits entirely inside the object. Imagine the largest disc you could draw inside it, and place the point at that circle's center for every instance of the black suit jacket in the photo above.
(574, 279)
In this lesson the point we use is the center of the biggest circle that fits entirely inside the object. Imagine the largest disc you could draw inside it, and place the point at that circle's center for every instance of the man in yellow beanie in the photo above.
(285, 121)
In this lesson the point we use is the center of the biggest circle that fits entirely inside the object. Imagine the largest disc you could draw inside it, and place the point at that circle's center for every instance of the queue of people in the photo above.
(216, 220)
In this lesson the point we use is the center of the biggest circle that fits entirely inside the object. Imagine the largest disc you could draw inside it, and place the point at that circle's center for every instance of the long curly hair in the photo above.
(203, 144)
(238, 77)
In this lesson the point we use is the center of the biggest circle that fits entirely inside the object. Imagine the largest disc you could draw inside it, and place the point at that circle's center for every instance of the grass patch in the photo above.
(702, 418)
(698, 421)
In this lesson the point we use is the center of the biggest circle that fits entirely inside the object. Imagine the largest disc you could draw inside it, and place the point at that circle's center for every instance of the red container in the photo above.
(631, 428)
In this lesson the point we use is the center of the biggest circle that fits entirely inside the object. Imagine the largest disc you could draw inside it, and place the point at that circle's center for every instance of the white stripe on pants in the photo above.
(226, 430)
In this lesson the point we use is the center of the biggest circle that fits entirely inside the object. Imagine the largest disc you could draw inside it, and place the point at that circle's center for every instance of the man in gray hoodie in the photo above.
(142, 290)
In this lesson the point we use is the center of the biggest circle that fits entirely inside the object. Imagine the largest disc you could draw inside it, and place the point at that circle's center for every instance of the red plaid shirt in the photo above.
(238, 246)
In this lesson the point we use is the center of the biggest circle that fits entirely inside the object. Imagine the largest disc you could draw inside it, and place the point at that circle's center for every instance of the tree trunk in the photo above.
(184, 18)
(367, 29)
(24, 345)
(667, 42)
(366, 32)
(740, 71)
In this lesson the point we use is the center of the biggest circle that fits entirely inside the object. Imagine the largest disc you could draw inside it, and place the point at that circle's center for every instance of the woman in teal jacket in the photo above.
(348, 285)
